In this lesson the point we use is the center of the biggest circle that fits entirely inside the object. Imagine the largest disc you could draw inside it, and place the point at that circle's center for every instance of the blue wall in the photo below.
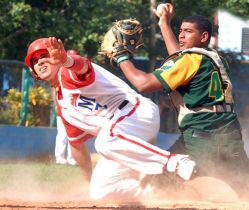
(18, 141)
(21, 142)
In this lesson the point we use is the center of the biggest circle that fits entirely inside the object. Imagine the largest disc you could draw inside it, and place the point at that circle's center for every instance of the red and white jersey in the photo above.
(87, 102)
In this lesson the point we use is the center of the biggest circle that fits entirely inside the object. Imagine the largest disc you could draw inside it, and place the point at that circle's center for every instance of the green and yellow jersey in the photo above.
(199, 83)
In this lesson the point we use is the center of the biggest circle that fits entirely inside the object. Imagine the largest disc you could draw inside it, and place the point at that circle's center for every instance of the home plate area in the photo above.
(200, 193)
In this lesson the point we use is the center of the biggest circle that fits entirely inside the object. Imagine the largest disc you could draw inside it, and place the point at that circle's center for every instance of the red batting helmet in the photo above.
(72, 52)
(34, 47)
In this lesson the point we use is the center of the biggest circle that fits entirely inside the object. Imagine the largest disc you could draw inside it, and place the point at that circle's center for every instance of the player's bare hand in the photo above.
(56, 50)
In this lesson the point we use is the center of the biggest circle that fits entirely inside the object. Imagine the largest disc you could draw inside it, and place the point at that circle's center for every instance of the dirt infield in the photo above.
(222, 199)
(35, 186)
(176, 205)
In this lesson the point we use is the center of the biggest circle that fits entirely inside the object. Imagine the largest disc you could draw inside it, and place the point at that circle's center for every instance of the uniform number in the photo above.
(215, 88)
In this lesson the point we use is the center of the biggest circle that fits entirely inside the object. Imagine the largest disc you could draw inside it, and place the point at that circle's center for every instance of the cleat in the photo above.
(71, 162)
(61, 161)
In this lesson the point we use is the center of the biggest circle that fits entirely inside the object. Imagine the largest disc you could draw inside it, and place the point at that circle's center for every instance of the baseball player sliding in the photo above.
(94, 102)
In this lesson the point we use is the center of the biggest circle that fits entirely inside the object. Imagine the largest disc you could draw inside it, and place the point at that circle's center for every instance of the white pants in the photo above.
(127, 153)
(62, 148)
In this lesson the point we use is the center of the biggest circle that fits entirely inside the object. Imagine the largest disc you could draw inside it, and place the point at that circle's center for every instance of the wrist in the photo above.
(69, 62)
(122, 58)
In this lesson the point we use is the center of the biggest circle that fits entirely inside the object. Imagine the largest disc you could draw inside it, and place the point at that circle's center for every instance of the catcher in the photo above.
(196, 79)
(94, 102)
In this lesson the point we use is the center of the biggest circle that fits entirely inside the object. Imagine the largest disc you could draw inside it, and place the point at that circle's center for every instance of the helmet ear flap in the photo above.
(32, 71)
(33, 74)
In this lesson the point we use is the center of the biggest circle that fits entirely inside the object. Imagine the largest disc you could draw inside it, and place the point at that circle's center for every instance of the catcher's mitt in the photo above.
(125, 36)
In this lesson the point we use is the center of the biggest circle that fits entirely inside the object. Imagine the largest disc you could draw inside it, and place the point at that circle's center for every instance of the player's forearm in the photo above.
(142, 81)
(169, 39)
(136, 77)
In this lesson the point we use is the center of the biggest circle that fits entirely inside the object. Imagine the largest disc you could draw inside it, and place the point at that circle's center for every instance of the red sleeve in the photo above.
(73, 81)
(78, 63)
(74, 134)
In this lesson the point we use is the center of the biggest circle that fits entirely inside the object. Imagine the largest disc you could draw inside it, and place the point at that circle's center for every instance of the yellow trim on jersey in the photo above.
(182, 71)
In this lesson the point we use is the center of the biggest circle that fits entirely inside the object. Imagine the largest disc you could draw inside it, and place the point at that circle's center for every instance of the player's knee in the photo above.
(101, 146)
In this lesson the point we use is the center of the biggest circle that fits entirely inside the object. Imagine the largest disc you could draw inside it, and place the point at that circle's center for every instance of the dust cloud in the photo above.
(201, 193)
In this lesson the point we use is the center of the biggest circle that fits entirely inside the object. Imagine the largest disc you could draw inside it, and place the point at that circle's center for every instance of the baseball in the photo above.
(159, 9)
(169, 8)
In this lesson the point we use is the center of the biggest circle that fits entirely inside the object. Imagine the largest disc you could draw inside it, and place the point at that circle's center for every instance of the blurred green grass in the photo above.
(25, 176)
(42, 175)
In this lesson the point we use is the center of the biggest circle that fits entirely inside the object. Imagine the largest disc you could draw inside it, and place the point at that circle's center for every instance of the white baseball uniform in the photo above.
(124, 122)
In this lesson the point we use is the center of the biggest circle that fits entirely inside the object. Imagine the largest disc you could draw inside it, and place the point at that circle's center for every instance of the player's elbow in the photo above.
(147, 84)
(143, 88)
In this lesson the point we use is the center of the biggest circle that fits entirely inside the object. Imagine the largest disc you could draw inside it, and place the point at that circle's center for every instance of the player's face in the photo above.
(43, 68)
(190, 36)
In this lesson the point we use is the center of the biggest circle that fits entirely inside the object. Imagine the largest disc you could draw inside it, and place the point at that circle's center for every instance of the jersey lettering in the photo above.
(89, 103)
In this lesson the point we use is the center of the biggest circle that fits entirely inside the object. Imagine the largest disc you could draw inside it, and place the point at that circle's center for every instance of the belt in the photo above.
(215, 108)
(201, 134)
(123, 104)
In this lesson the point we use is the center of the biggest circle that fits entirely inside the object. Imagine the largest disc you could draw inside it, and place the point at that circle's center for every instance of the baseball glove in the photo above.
(124, 37)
